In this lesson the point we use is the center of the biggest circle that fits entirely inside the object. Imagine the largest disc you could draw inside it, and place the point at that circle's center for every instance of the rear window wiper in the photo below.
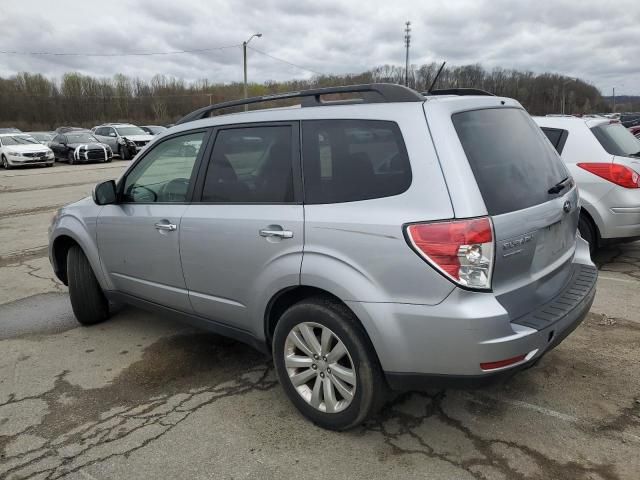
(558, 187)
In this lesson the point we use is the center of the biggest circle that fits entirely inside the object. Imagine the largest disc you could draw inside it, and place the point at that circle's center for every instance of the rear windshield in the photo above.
(513, 163)
(617, 140)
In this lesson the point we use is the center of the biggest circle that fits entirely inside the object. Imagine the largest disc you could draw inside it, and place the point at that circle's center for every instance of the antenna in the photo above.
(407, 43)
(433, 84)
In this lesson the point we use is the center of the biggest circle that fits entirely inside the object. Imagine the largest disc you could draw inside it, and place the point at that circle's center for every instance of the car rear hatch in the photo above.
(531, 201)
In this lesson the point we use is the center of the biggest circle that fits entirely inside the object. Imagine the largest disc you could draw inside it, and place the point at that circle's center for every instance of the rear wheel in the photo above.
(89, 304)
(588, 232)
(326, 365)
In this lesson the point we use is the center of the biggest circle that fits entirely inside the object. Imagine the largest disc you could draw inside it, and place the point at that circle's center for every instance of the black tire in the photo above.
(124, 153)
(5, 163)
(588, 232)
(71, 158)
(89, 304)
(370, 390)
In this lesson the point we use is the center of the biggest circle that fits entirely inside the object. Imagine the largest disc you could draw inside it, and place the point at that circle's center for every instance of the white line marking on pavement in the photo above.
(531, 406)
(548, 412)
(624, 280)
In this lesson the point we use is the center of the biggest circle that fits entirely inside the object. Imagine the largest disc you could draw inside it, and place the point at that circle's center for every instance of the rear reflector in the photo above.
(502, 363)
(462, 250)
(615, 173)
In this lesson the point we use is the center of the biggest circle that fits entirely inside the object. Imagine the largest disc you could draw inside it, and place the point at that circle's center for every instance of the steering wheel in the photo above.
(175, 190)
(131, 194)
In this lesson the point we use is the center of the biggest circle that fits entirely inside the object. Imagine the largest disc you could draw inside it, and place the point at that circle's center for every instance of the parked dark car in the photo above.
(79, 146)
(69, 129)
(630, 119)
(635, 130)
(153, 129)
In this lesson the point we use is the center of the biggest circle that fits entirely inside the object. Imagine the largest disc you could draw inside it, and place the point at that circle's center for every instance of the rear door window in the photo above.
(617, 140)
(513, 164)
(350, 160)
(251, 165)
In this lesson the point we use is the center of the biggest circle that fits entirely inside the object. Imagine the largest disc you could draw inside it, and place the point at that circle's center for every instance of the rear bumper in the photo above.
(421, 346)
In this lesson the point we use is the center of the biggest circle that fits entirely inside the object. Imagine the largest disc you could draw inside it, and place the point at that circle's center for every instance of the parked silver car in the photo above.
(399, 241)
(124, 139)
(604, 159)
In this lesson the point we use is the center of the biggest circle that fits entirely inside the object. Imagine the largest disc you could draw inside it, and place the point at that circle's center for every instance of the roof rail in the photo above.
(374, 93)
(459, 91)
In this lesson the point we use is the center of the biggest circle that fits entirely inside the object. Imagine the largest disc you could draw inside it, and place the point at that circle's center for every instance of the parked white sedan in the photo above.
(19, 149)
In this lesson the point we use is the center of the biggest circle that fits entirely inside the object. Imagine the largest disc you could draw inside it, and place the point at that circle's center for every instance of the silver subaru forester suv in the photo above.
(391, 241)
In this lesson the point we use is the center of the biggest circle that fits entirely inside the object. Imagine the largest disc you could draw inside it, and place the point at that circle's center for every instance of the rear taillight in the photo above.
(462, 250)
(618, 174)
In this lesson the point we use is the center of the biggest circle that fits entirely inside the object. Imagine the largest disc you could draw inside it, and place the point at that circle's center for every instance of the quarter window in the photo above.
(164, 174)
(557, 137)
(350, 160)
(251, 165)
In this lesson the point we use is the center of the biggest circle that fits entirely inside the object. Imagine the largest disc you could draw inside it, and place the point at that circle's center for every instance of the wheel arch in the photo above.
(68, 232)
(288, 297)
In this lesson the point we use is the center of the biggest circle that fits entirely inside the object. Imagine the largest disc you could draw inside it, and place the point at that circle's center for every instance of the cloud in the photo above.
(591, 39)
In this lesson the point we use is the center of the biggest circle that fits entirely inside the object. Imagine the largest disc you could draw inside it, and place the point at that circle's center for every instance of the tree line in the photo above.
(33, 102)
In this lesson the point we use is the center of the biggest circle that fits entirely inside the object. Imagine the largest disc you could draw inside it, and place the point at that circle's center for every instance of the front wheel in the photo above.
(71, 158)
(5, 163)
(124, 153)
(326, 364)
(88, 302)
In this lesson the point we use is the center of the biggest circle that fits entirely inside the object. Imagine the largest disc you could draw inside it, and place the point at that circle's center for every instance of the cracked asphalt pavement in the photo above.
(141, 396)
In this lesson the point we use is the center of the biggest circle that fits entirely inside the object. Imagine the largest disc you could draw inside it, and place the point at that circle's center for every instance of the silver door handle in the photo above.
(169, 227)
(276, 233)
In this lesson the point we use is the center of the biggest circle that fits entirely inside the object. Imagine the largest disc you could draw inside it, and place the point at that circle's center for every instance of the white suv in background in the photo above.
(604, 160)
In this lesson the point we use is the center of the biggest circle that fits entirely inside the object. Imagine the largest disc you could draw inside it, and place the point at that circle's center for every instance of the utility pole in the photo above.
(566, 82)
(614, 99)
(244, 57)
(407, 43)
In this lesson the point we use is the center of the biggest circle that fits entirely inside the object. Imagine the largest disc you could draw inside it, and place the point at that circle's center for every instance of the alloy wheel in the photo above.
(320, 367)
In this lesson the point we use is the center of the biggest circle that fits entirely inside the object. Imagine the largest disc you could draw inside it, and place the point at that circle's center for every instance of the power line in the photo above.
(128, 54)
(284, 61)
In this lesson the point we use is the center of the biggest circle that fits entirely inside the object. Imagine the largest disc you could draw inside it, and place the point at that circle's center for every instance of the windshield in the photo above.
(124, 131)
(81, 137)
(617, 140)
(18, 140)
(42, 137)
(514, 164)
(156, 130)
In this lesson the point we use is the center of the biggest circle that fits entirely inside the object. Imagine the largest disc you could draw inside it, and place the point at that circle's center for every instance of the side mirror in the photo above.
(104, 193)
(112, 134)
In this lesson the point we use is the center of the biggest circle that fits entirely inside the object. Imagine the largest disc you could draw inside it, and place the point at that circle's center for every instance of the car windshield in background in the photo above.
(81, 137)
(124, 131)
(42, 137)
(156, 130)
(513, 163)
(18, 140)
(617, 140)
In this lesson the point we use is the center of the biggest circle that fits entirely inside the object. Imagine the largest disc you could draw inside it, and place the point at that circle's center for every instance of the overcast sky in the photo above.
(598, 41)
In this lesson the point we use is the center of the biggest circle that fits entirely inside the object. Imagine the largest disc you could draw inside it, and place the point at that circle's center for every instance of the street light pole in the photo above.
(407, 43)
(244, 56)
(566, 82)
